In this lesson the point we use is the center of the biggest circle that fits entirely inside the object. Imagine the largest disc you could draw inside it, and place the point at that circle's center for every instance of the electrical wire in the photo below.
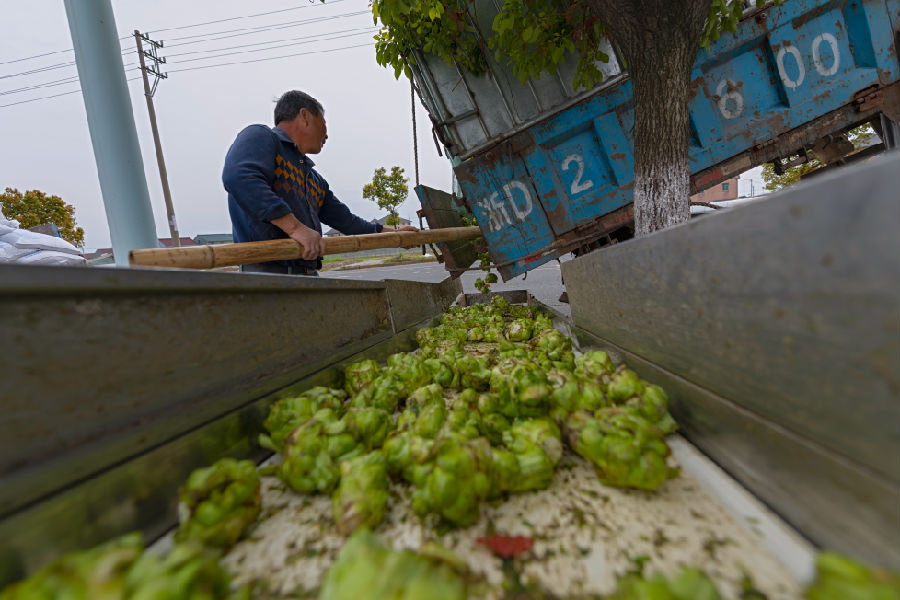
(263, 14)
(310, 40)
(305, 40)
(254, 30)
(72, 63)
(244, 62)
(197, 68)
(56, 95)
(209, 53)
(244, 31)
(123, 38)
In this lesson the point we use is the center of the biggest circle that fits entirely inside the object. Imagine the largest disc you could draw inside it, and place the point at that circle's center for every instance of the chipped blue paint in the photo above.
(786, 67)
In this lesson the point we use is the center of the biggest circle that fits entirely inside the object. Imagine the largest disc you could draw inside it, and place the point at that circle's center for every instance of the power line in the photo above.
(263, 14)
(15, 60)
(254, 30)
(244, 62)
(128, 37)
(207, 67)
(54, 83)
(53, 67)
(322, 37)
(251, 31)
(310, 40)
(53, 96)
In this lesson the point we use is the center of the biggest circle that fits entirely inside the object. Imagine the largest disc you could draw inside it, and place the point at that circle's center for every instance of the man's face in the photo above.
(318, 131)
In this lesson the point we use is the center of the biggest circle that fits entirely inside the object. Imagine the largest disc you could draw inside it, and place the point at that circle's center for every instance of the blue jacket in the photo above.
(267, 177)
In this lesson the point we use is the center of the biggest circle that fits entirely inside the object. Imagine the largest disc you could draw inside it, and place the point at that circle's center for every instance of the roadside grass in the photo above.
(330, 264)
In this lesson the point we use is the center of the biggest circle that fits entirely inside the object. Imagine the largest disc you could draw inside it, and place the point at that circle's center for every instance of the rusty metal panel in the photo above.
(792, 74)
(512, 218)
(475, 112)
(109, 362)
(438, 210)
(831, 501)
(140, 490)
(411, 302)
(788, 310)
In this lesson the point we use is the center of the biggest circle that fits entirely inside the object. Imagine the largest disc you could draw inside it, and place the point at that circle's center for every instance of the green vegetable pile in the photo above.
(219, 503)
(839, 578)
(483, 408)
(690, 584)
(120, 570)
(366, 569)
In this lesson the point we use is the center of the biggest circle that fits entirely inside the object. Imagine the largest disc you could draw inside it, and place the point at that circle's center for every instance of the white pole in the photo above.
(117, 152)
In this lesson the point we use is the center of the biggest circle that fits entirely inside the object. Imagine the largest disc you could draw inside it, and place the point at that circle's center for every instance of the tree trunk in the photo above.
(659, 40)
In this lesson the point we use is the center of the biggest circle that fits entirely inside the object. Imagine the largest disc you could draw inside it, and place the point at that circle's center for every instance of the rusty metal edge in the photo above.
(795, 139)
(19, 280)
(838, 514)
(139, 493)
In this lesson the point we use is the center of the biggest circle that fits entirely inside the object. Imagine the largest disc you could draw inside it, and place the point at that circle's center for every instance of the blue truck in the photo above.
(547, 169)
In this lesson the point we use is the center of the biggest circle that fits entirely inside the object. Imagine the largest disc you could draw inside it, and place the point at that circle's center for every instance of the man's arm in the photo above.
(313, 243)
(387, 228)
(249, 172)
(336, 214)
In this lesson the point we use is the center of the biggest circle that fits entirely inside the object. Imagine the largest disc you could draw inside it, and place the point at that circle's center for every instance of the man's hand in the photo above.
(313, 243)
(388, 228)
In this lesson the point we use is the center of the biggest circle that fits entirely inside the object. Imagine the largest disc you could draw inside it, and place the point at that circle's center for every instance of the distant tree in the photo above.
(37, 208)
(860, 137)
(388, 191)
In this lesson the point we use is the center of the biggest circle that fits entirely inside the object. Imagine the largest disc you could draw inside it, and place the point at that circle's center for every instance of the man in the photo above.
(274, 192)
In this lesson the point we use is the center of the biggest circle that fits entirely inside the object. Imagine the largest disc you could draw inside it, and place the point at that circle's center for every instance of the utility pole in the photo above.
(148, 94)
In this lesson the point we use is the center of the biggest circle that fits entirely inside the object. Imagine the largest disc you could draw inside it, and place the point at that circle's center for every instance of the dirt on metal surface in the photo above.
(585, 534)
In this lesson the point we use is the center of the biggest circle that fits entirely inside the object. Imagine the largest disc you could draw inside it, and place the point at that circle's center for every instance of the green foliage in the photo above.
(365, 568)
(840, 578)
(388, 191)
(690, 584)
(724, 16)
(119, 570)
(439, 27)
(219, 503)
(859, 136)
(35, 208)
(535, 35)
(774, 181)
(484, 263)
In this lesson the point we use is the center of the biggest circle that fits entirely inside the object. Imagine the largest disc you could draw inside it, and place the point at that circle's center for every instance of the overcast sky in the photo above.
(227, 63)
(46, 144)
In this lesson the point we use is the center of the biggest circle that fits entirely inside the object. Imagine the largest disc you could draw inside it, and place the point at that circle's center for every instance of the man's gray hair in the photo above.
(291, 103)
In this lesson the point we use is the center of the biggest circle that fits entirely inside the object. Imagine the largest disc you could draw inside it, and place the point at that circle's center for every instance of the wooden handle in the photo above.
(223, 255)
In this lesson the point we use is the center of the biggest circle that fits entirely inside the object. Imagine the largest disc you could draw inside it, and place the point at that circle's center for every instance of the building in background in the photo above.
(727, 190)
(104, 256)
(381, 221)
(47, 229)
(213, 239)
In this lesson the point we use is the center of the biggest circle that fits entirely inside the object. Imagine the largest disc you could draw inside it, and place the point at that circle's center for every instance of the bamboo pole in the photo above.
(209, 257)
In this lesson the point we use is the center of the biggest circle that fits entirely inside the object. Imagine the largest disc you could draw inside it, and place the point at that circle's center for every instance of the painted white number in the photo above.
(779, 58)
(497, 210)
(578, 185)
(817, 60)
(728, 91)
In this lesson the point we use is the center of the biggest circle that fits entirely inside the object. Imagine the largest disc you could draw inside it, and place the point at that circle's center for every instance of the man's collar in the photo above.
(287, 140)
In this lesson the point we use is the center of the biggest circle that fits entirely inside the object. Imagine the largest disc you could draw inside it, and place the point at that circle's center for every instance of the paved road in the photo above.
(544, 283)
